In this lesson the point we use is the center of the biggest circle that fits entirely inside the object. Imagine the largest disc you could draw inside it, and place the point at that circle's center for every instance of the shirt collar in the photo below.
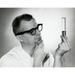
(24, 53)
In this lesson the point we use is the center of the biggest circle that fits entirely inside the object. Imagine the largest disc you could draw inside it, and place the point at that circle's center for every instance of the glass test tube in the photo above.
(63, 26)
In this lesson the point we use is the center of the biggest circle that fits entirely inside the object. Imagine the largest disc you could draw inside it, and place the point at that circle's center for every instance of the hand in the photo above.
(63, 47)
(39, 55)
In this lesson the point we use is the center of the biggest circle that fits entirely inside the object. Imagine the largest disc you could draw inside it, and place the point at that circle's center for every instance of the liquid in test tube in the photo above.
(63, 26)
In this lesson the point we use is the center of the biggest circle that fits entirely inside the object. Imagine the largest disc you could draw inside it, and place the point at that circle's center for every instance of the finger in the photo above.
(63, 39)
(68, 42)
(59, 45)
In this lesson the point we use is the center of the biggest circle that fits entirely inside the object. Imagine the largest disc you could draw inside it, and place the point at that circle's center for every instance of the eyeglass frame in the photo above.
(31, 30)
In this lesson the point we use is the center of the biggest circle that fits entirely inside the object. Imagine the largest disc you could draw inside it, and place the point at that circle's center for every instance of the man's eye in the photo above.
(33, 32)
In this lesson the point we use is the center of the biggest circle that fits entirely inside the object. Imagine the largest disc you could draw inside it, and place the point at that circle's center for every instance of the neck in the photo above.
(29, 49)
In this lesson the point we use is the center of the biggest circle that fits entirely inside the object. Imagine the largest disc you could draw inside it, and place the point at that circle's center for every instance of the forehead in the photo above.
(26, 25)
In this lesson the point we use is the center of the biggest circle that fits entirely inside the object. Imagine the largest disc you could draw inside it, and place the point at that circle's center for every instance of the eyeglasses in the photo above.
(33, 30)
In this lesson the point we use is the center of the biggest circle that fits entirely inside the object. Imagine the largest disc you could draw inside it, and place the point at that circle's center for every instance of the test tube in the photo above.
(63, 26)
(64, 30)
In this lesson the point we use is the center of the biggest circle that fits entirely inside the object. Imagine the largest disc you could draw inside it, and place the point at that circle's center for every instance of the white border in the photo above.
(37, 3)
(37, 71)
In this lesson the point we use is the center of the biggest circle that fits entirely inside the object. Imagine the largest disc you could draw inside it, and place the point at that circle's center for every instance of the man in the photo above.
(31, 53)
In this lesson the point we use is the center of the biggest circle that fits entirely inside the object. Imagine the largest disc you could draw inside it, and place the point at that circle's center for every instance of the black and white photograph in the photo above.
(37, 37)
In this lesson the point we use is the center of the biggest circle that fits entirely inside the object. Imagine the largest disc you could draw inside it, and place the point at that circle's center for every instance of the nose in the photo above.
(38, 38)
(38, 33)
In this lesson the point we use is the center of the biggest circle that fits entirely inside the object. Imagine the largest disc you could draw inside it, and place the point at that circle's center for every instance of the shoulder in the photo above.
(8, 58)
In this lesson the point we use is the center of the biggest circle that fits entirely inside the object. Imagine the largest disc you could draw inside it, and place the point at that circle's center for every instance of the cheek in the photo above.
(30, 39)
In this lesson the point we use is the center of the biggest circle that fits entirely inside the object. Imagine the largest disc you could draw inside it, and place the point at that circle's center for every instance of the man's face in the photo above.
(30, 38)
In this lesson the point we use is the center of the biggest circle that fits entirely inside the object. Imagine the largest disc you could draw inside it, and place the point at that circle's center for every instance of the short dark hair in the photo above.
(18, 19)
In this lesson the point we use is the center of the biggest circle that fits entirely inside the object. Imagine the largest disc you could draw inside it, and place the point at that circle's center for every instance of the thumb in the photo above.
(61, 38)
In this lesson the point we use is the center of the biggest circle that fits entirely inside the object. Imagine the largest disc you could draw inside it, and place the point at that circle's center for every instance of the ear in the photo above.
(19, 37)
